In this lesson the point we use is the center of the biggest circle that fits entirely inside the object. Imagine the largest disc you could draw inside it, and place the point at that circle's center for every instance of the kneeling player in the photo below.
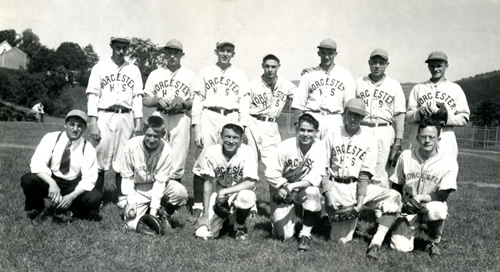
(147, 181)
(352, 158)
(230, 175)
(295, 174)
(428, 176)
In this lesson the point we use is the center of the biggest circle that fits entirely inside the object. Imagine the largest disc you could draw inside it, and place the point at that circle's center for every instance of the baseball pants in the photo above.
(386, 200)
(327, 122)
(404, 231)
(385, 139)
(116, 129)
(263, 138)
(178, 136)
(215, 222)
(284, 217)
(174, 193)
(35, 190)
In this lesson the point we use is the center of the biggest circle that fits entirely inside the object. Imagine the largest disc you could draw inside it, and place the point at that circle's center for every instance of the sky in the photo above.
(468, 31)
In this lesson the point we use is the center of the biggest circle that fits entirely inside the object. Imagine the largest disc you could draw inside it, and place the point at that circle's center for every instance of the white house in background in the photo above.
(12, 57)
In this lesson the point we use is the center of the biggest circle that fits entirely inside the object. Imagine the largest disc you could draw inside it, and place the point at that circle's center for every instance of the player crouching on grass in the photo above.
(230, 174)
(295, 173)
(426, 175)
(146, 178)
(63, 169)
(352, 158)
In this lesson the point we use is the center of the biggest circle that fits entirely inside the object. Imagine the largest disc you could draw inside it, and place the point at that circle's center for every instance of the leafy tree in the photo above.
(43, 60)
(30, 43)
(10, 36)
(91, 55)
(71, 57)
(146, 55)
(487, 113)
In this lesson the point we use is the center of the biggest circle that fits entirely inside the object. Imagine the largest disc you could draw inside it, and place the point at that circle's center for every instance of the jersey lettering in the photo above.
(112, 79)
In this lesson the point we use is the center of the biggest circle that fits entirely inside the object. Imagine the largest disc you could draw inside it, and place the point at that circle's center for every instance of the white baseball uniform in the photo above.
(221, 96)
(147, 177)
(288, 164)
(266, 105)
(110, 87)
(420, 176)
(384, 100)
(428, 94)
(347, 156)
(242, 166)
(323, 94)
(163, 83)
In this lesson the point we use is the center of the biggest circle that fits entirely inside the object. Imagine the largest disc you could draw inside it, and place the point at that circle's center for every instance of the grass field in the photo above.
(470, 243)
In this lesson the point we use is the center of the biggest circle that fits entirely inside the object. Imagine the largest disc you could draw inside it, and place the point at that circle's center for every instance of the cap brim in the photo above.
(358, 111)
(225, 43)
(442, 59)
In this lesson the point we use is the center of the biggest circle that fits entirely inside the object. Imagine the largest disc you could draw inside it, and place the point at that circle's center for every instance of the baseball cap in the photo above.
(174, 44)
(328, 44)
(303, 115)
(233, 123)
(122, 39)
(245, 199)
(356, 105)
(223, 42)
(379, 52)
(77, 113)
(437, 55)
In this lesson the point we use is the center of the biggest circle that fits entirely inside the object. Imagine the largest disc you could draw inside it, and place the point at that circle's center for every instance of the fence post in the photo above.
(473, 135)
(485, 138)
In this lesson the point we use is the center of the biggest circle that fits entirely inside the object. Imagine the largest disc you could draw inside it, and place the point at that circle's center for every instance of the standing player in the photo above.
(169, 90)
(114, 96)
(324, 90)
(230, 173)
(428, 175)
(147, 176)
(440, 99)
(386, 104)
(63, 168)
(297, 169)
(38, 108)
(352, 158)
(268, 95)
(221, 96)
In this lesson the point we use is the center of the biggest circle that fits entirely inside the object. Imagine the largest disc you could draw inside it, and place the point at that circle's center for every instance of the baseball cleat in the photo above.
(304, 242)
(203, 233)
(242, 235)
(433, 250)
(373, 252)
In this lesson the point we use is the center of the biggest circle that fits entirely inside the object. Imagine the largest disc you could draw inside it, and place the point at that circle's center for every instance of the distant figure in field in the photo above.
(63, 169)
(38, 108)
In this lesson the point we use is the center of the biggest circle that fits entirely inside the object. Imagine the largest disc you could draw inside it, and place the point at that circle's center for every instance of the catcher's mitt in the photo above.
(344, 213)
(291, 197)
(413, 207)
(150, 225)
(441, 114)
(221, 208)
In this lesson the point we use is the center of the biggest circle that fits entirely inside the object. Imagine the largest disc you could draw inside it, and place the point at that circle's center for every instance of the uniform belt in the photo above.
(169, 112)
(221, 110)
(368, 124)
(264, 118)
(117, 110)
(323, 112)
(345, 180)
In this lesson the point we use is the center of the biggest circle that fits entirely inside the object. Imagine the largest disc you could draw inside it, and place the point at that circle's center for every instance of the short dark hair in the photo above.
(270, 57)
(234, 127)
(429, 122)
(306, 117)
(155, 122)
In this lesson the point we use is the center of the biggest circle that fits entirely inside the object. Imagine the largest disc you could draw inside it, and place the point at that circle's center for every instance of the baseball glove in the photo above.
(291, 197)
(413, 207)
(150, 225)
(176, 105)
(221, 208)
(441, 114)
(344, 213)
(394, 154)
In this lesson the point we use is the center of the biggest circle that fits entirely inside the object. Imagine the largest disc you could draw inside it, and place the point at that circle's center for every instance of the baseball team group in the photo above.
(346, 155)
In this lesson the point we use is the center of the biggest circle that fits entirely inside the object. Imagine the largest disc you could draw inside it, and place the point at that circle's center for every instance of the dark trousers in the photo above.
(35, 190)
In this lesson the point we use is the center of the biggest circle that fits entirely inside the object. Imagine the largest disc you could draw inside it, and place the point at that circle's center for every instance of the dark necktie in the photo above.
(65, 159)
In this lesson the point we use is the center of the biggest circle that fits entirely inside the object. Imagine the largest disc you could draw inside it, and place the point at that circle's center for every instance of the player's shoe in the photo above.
(433, 250)
(242, 235)
(304, 242)
(373, 252)
(203, 233)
